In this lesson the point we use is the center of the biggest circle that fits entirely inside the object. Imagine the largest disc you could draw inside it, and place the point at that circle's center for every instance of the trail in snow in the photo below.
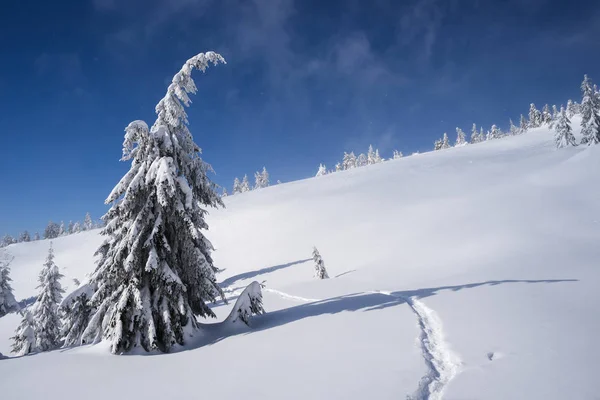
(289, 296)
(442, 363)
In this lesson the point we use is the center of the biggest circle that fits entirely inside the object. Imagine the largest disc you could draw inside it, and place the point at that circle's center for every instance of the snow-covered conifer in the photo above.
(563, 134)
(25, 237)
(522, 124)
(571, 108)
(7, 299)
(77, 309)
(461, 138)
(590, 113)
(87, 222)
(52, 230)
(77, 227)
(362, 160)
(512, 128)
(70, 228)
(245, 185)
(36, 236)
(338, 167)
(320, 271)
(24, 339)
(156, 272)
(535, 117)
(237, 186)
(397, 155)
(349, 161)
(445, 141)
(45, 310)
(322, 170)
(555, 116)
(7, 240)
(261, 179)
(371, 156)
(224, 192)
(494, 133)
(474, 134)
(437, 145)
(249, 303)
(61, 229)
(546, 115)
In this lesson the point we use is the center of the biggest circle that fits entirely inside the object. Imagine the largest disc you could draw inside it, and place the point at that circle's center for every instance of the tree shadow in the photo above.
(251, 274)
(366, 301)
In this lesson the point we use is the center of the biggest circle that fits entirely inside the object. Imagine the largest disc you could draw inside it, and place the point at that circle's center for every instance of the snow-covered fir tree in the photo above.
(52, 230)
(494, 133)
(87, 222)
(7, 240)
(397, 155)
(535, 117)
(25, 237)
(362, 160)
(474, 135)
(322, 170)
(61, 229)
(590, 113)
(349, 161)
(571, 108)
(245, 185)
(36, 236)
(77, 227)
(320, 271)
(237, 186)
(261, 179)
(371, 155)
(338, 167)
(45, 309)
(156, 272)
(555, 116)
(7, 298)
(77, 309)
(512, 128)
(224, 193)
(437, 145)
(461, 138)
(70, 228)
(522, 124)
(249, 303)
(24, 339)
(445, 141)
(546, 114)
(378, 158)
(563, 135)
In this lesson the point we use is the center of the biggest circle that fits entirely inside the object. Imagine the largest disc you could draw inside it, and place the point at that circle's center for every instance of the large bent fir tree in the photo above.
(155, 272)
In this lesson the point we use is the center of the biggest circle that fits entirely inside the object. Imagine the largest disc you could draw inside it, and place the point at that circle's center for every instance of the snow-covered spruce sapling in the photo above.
(245, 185)
(77, 310)
(461, 138)
(155, 273)
(320, 271)
(563, 135)
(45, 310)
(590, 113)
(24, 339)
(322, 170)
(248, 304)
(7, 299)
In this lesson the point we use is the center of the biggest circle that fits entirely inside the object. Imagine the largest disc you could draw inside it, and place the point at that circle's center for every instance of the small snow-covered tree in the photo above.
(25, 237)
(61, 229)
(52, 230)
(371, 156)
(249, 303)
(237, 186)
(70, 228)
(362, 160)
(322, 170)
(555, 116)
(445, 141)
(349, 161)
(338, 167)
(155, 271)
(45, 310)
(261, 179)
(546, 114)
(437, 145)
(563, 134)
(7, 299)
(590, 113)
(77, 309)
(397, 155)
(24, 339)
(522, 124)
(571, 108)
(320, 271)
(474, 135)
(7, 240)
(224, 192)
(77, 227)
(535, 117)
(87, 222)
(36, 236)
(494, 133)
(512, 128)
(461, 138)
(245, 185)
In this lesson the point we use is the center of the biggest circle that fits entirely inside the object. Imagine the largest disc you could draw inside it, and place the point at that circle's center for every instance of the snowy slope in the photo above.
(467, 273)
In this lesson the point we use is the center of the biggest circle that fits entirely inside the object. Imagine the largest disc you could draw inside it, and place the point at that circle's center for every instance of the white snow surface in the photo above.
(467, 273)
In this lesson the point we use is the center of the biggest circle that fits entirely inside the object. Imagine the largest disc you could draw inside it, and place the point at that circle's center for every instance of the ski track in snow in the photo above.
(442, 363)
(289, 296)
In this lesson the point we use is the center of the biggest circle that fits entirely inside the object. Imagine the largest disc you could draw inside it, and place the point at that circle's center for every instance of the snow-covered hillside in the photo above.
(467, 273)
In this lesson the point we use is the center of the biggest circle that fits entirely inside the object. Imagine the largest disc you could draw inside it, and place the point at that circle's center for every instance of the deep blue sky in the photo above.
(305, 81)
